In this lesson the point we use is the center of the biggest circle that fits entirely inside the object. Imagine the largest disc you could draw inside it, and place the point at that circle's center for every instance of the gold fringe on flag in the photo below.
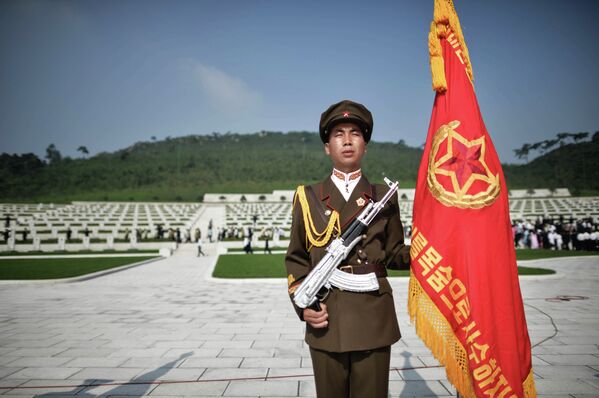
(313, 237)
(445, 19)
(529, 386)
(437, 334)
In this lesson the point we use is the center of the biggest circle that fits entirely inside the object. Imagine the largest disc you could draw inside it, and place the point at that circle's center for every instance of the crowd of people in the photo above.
(246, 234)
(556, 234)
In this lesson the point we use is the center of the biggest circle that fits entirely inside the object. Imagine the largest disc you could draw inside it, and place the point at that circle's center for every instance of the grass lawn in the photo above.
(272, 265)
(55, 268)
(250, 266)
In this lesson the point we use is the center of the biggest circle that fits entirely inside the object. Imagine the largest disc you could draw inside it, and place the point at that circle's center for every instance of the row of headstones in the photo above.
(96, 218)
(107, 225)
(29, 207)
(126, 210)
(264, 210)
(103, 226)
(522, 215)
(258, 213)
(98, 215)
(581, 202)
(111, 210)
(94, 232)
(62, 242)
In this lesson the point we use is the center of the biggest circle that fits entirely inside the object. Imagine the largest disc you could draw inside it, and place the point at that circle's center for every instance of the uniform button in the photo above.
(364, 236)
(360, 251)
(359, 261)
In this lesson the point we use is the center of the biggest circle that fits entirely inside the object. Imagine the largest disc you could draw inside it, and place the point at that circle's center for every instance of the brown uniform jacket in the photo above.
(357, 321)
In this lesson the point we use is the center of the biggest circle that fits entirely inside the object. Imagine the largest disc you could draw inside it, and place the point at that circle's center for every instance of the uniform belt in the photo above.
(379, 269)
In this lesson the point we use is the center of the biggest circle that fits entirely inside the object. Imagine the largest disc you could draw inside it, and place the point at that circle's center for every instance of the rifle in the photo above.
(325, 274)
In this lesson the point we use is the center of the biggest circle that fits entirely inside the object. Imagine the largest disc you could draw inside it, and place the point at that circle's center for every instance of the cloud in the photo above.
(226, 92)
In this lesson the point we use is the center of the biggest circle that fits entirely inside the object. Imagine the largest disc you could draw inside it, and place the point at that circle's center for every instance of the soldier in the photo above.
(350, 338)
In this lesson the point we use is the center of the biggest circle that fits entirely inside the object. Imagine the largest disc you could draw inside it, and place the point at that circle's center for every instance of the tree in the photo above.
(561, 137)
(52, 154)
(579, 136)
(83, 150)
(535, 146)
(523, 152)
(548, 144)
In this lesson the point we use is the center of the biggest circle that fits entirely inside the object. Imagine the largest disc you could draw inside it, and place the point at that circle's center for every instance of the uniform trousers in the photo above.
(355, 374)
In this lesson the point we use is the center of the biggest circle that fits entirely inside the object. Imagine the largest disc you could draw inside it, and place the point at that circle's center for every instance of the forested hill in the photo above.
(184, 168)
(575, 166)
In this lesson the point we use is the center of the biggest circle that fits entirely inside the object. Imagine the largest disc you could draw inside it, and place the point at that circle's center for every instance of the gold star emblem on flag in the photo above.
(458, 174)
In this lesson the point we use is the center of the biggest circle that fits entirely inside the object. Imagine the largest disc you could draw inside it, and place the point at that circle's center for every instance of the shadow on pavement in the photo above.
(413, 388)
(136, 387)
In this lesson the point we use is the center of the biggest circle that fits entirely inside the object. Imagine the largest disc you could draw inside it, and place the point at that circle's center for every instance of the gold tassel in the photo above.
(444, 18)
(436, 59)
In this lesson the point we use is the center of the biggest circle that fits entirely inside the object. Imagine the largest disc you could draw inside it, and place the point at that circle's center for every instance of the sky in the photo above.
(106, 74)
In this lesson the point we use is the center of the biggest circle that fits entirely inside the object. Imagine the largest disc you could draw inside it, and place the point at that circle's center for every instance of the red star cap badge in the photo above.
(345, 114)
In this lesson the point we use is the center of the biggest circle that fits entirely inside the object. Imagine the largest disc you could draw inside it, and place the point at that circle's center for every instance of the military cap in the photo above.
(346, 111)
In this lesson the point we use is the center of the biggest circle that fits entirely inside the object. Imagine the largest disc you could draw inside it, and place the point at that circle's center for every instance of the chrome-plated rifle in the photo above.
(314, 288)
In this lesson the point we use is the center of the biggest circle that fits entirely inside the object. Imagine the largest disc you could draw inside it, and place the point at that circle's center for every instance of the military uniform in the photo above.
(351, 354)
(357, 321)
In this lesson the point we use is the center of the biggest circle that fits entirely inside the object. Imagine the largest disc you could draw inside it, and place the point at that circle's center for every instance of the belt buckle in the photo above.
(347, 268)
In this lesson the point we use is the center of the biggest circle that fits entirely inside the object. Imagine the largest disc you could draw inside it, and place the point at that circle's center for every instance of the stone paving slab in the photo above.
(168, 322)
(254, 388)
(208, 389)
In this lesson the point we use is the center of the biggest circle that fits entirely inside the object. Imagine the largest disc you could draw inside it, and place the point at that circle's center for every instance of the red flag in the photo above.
(464, 295)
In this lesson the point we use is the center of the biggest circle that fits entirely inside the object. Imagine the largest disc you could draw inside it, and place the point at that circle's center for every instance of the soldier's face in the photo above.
(346, 147)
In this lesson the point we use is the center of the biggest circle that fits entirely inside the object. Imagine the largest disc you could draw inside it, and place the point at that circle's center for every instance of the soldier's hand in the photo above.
(317, 319)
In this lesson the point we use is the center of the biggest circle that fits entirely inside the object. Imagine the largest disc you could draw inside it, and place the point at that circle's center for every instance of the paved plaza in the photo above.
(166, 328)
